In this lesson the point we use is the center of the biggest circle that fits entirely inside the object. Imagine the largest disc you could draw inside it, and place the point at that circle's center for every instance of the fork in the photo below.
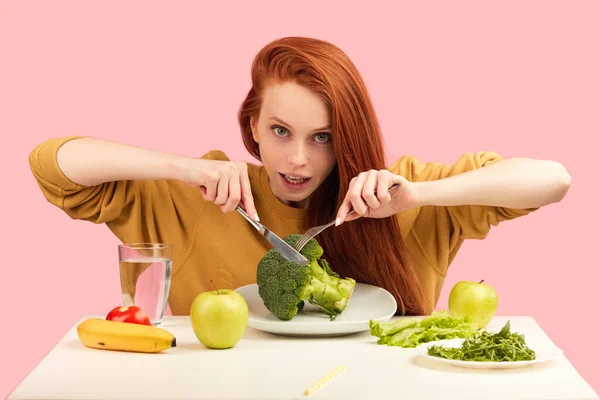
(314, 231)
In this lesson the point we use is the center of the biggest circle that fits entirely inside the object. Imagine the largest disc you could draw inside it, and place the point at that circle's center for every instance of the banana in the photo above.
(124, 336)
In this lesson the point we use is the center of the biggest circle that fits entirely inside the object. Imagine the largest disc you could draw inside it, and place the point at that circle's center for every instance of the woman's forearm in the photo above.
(513, 183)
(91, 161)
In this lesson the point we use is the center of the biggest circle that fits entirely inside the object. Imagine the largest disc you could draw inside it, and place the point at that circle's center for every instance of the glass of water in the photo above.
(145, 270)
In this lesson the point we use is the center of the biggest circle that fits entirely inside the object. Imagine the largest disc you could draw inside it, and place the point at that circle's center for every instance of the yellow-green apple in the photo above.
(476, 299)
(219, 318)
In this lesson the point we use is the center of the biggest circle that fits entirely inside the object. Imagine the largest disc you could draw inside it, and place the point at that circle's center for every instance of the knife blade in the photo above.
(287, 251)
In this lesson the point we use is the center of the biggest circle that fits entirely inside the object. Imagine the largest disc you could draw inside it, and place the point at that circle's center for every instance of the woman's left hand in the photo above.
(368, 195)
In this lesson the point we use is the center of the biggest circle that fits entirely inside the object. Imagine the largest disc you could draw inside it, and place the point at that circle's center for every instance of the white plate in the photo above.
(543, 354)
(367, 302)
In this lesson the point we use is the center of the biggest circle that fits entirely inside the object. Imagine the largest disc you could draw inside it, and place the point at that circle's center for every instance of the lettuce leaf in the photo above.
(410, 332)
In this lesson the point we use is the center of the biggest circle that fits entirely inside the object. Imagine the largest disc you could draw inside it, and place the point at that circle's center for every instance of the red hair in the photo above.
(369, 250)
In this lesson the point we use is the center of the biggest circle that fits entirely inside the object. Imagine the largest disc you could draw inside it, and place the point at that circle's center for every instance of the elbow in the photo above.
(34, 159)
(561, 181)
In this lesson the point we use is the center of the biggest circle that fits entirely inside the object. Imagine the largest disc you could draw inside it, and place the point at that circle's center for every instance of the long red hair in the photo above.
(369, 250)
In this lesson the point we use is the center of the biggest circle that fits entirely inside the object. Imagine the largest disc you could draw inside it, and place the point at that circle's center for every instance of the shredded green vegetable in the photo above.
(486, 346)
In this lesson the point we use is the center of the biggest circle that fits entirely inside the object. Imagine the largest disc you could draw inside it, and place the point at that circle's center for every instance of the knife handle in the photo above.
(256, 225)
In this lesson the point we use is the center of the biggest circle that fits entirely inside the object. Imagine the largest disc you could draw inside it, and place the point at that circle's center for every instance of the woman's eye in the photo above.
(322, 137)
(279, 130)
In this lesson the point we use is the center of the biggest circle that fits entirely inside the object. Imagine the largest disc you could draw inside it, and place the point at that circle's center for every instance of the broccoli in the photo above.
(284, 285)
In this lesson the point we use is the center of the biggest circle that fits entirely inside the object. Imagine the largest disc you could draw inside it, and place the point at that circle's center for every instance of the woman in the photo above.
(308, 118)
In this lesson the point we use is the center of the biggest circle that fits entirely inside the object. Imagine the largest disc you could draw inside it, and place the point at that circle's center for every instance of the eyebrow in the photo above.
(285, 123)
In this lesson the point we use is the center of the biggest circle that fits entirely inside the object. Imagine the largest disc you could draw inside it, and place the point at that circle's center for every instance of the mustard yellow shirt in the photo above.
(211, 245)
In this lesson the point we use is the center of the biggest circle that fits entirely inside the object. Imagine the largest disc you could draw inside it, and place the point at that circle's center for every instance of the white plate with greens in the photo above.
(367, 303)
(489, 350)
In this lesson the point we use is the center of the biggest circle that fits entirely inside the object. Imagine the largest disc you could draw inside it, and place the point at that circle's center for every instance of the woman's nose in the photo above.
(298, 156)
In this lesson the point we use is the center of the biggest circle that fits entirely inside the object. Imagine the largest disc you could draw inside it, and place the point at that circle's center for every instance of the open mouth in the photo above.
(295, 181)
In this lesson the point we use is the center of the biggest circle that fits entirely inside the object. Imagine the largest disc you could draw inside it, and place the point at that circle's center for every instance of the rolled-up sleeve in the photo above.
(441, 229)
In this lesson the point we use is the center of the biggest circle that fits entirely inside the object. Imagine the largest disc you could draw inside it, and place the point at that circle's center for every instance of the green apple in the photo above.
(476, 299)
(219, 318)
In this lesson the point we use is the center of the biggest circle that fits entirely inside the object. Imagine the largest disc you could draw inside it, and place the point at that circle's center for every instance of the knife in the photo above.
(285, 249)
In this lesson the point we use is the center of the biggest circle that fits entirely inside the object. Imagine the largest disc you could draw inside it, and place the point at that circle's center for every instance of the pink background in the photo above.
(519, 78)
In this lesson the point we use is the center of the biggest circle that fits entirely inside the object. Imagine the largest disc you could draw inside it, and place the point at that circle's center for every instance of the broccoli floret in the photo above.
(284, 285)
(311, 250)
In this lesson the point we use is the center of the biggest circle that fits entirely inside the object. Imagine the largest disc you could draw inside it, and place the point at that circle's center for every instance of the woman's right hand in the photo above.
(224, 183)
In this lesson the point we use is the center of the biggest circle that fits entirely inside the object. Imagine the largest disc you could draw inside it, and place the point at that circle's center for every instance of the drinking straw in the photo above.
(324, 380)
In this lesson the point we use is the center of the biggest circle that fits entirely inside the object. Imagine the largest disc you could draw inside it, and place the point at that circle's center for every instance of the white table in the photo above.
(265, 366)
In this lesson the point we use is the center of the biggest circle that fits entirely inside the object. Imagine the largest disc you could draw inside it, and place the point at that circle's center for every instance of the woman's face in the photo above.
(293, 132)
